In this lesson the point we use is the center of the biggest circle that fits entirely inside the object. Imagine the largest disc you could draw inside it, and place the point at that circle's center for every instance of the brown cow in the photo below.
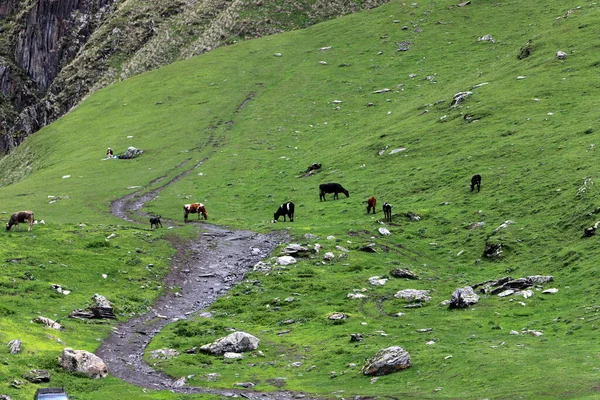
(371, 203)
(21, 216)
(194, 208)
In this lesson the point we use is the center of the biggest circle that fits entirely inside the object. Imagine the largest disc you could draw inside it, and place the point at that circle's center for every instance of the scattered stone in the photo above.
(493, 250)
(337, 316)
(377, 281)
(398, 150)
(386, 361)
(476, 225)
(101, 309)
(526, 293)
(311, 170)
(383, 90)
(131, 152)
(550, 291)
(356, 296)
(5, 397)
(48, 322)
(369, 248)
(163, 354)
(384, 231)
(486, 38)
(532, 332)
(466, 3)
(179, 383)
(310, 235)
(247, 385)
(213, 377)
(459, 98)
(513, 333)
(237, 342)
(37, 376)
(83, 362)
(561, 55)
(232, 356)
(463, 297)
(403, 46)
(261, 267)
(325, 48)
(329, 256)
(403, 273)
(413, 295)
(506, 293)
(15, 346)
(424, 330)
(356, 337)
(503, 226)
(343, 249)
(295, 249)
(413, 216)
(286, 260)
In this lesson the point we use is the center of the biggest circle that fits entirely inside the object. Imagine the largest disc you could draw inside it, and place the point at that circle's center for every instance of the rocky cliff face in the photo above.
(54, 52)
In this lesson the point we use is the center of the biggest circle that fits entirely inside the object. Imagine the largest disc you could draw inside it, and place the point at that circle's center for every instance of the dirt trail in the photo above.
(203, 270)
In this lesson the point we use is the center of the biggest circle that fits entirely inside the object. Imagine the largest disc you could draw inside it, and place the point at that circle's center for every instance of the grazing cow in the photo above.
(285, 209)
(21, 216)
(194, 208)
(387, 211)
(371, 203)
(334, 188)
(475, 181)
(155, 222)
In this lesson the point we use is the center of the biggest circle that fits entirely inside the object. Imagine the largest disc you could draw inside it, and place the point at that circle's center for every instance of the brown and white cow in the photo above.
(21, 216)
(194, 208)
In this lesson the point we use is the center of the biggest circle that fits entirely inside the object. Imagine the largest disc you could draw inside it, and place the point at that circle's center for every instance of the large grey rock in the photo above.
(83, 362)
(463, 297)
(386, 361)
(237, 342)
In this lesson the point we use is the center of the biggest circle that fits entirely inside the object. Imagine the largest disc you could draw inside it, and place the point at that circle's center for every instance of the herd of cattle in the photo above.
(284, 210)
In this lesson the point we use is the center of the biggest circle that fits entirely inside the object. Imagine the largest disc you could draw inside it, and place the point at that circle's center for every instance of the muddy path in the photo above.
(202, 270)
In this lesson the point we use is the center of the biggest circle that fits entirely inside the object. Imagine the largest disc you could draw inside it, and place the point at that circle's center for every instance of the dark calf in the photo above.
(286, 209)
(155, 222)
(387, 211)
(476, 181)
(334, 188)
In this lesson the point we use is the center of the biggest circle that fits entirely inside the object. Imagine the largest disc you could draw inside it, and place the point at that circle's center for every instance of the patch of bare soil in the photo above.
(202, 270)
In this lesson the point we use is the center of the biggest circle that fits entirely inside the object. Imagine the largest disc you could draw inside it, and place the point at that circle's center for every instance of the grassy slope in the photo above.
(533, 165)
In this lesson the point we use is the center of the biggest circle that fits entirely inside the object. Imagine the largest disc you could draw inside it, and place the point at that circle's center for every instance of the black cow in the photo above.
(286, 209)
(155, 222)
(387, 211)
(475, 181)
(334, 188)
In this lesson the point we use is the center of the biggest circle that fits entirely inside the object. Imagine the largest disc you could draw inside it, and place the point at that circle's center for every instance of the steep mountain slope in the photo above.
(370, 97)
(58, 52)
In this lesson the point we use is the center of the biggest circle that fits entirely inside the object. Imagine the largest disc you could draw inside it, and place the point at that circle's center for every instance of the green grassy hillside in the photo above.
(248, 119)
